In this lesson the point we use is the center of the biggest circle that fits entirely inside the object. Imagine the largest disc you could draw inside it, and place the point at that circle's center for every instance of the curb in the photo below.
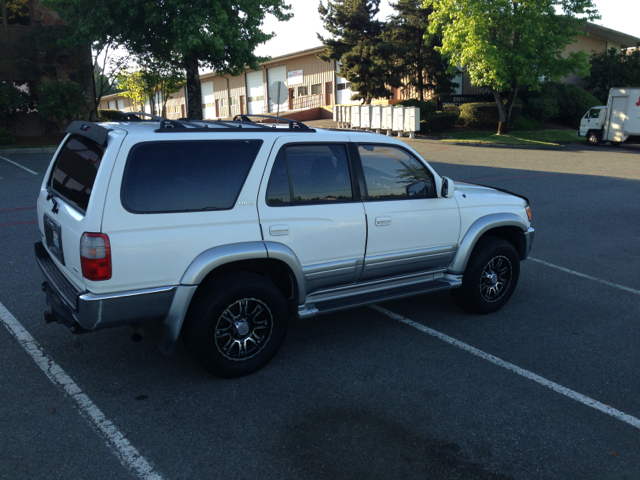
(47, 149)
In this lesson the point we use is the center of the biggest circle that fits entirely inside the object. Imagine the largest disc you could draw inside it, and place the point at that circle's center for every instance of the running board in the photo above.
(342, 303)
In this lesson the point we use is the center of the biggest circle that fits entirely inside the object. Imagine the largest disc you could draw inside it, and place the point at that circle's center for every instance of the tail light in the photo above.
(95, 256)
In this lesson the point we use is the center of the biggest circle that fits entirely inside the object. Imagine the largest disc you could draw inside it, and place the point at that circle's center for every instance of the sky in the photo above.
(299, 33)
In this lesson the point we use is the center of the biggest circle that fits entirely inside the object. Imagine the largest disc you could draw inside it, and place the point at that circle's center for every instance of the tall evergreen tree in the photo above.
(357, 42)
(421, 66)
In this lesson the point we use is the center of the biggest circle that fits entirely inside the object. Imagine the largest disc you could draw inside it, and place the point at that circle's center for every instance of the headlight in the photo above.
(528, 209)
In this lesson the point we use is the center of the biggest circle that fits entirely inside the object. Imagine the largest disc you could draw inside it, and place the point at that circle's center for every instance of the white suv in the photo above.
(222, 231)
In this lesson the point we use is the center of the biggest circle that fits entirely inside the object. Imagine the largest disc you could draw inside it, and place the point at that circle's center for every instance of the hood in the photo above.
(489, 195)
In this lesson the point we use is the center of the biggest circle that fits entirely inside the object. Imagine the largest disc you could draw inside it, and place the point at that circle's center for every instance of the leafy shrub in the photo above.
(574, 103)
(560, 101)
(485, 115)
(108, 115)
(451, 109)
(6, 137)
(542, 108)
(525, 122)
(61, 103)
(438, 121)
(426, 108)
(12, 102)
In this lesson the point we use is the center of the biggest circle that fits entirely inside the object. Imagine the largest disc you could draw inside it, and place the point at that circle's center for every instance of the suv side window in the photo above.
(76, 169)
(310, 173)
(186, 176)
(392, 173)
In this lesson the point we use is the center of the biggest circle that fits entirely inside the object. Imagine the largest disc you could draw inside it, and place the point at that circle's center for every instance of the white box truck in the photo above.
(617, 122)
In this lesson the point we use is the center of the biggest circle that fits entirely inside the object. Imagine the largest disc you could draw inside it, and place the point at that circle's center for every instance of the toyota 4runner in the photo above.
(223, 230)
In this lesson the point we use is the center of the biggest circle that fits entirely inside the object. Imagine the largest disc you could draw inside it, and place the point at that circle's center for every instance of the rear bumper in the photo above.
(85, 311)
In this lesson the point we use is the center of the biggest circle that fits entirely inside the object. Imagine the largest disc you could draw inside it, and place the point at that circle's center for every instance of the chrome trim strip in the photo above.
(93, 297)
(423, 260)
(374, 286)
(476, 230)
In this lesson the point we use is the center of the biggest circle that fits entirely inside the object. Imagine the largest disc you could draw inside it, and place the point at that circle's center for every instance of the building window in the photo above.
(315, 89)
(344, 86)
(17, 12)
(234, 100)
(302, 91)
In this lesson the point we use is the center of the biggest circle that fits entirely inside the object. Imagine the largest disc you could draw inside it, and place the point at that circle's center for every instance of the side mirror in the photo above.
(448, 188)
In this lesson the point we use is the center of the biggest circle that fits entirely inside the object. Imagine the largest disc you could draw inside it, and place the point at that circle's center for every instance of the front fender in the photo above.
(479, 228)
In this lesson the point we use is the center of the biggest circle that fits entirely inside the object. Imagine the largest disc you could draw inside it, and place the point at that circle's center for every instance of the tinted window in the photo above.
(318, 173)
(278, 192)
(187, 176)
(76, 169)
(391, 172)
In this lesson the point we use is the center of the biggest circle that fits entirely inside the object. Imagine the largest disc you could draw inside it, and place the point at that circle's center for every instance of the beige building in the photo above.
(313, 86)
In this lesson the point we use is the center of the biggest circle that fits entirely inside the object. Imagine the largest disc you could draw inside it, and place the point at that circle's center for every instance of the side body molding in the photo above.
(479, 227)
(217, 256)
(279, 251)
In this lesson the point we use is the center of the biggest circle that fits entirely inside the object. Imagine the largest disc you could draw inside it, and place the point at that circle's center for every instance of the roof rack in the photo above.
(171, 126)
(292, 123)
(135, 117)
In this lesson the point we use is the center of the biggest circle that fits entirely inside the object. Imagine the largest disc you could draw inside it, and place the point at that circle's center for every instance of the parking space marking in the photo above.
(18, 165)
(589, 277)
(128, 455)
(633, 421)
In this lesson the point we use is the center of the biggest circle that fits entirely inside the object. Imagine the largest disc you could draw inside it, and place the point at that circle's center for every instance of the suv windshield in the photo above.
(76, 169)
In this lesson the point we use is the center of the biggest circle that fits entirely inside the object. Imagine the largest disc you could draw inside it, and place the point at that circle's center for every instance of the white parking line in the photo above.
(573, 272)
(116, 441)
(18, 165)
(633, 421)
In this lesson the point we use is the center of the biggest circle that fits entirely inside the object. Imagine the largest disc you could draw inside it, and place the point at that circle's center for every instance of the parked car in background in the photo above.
(616, 122)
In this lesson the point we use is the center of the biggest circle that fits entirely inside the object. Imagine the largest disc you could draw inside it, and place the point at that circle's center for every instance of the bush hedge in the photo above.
(438, 121)
(426, 108)
(525, 122)
(561, 102)
(108, 115)
(6, 137)
(485, 115)
(451, 109)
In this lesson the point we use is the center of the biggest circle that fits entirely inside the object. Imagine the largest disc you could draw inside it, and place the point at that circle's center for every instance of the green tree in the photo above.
(508, 45)
(154, 80)
(612, 69)
(138, 87)
(220, 34)
(357, 42)
(421, 65)
(60, 102)
(107, 66)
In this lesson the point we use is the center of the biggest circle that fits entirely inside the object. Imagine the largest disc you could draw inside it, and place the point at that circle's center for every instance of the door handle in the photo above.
(276, 230)
(382, 221)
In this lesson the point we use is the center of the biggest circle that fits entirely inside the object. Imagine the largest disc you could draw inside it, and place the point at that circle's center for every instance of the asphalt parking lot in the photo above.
(546, 388)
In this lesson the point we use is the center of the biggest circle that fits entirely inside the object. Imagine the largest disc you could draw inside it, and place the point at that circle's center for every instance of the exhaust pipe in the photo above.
(138, 334)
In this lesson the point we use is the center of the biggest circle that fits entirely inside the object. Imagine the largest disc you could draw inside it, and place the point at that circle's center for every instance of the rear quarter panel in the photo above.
(154, 250)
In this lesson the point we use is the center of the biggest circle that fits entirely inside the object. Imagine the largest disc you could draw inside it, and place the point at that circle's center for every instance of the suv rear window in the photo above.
(76, 169)
(164, 177)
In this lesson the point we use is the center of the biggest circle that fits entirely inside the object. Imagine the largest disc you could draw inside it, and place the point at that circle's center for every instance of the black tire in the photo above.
(593, 138)
(237, 324)
(490, 278)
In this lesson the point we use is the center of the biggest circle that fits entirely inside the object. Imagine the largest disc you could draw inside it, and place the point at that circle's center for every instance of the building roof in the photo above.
(610, 35)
